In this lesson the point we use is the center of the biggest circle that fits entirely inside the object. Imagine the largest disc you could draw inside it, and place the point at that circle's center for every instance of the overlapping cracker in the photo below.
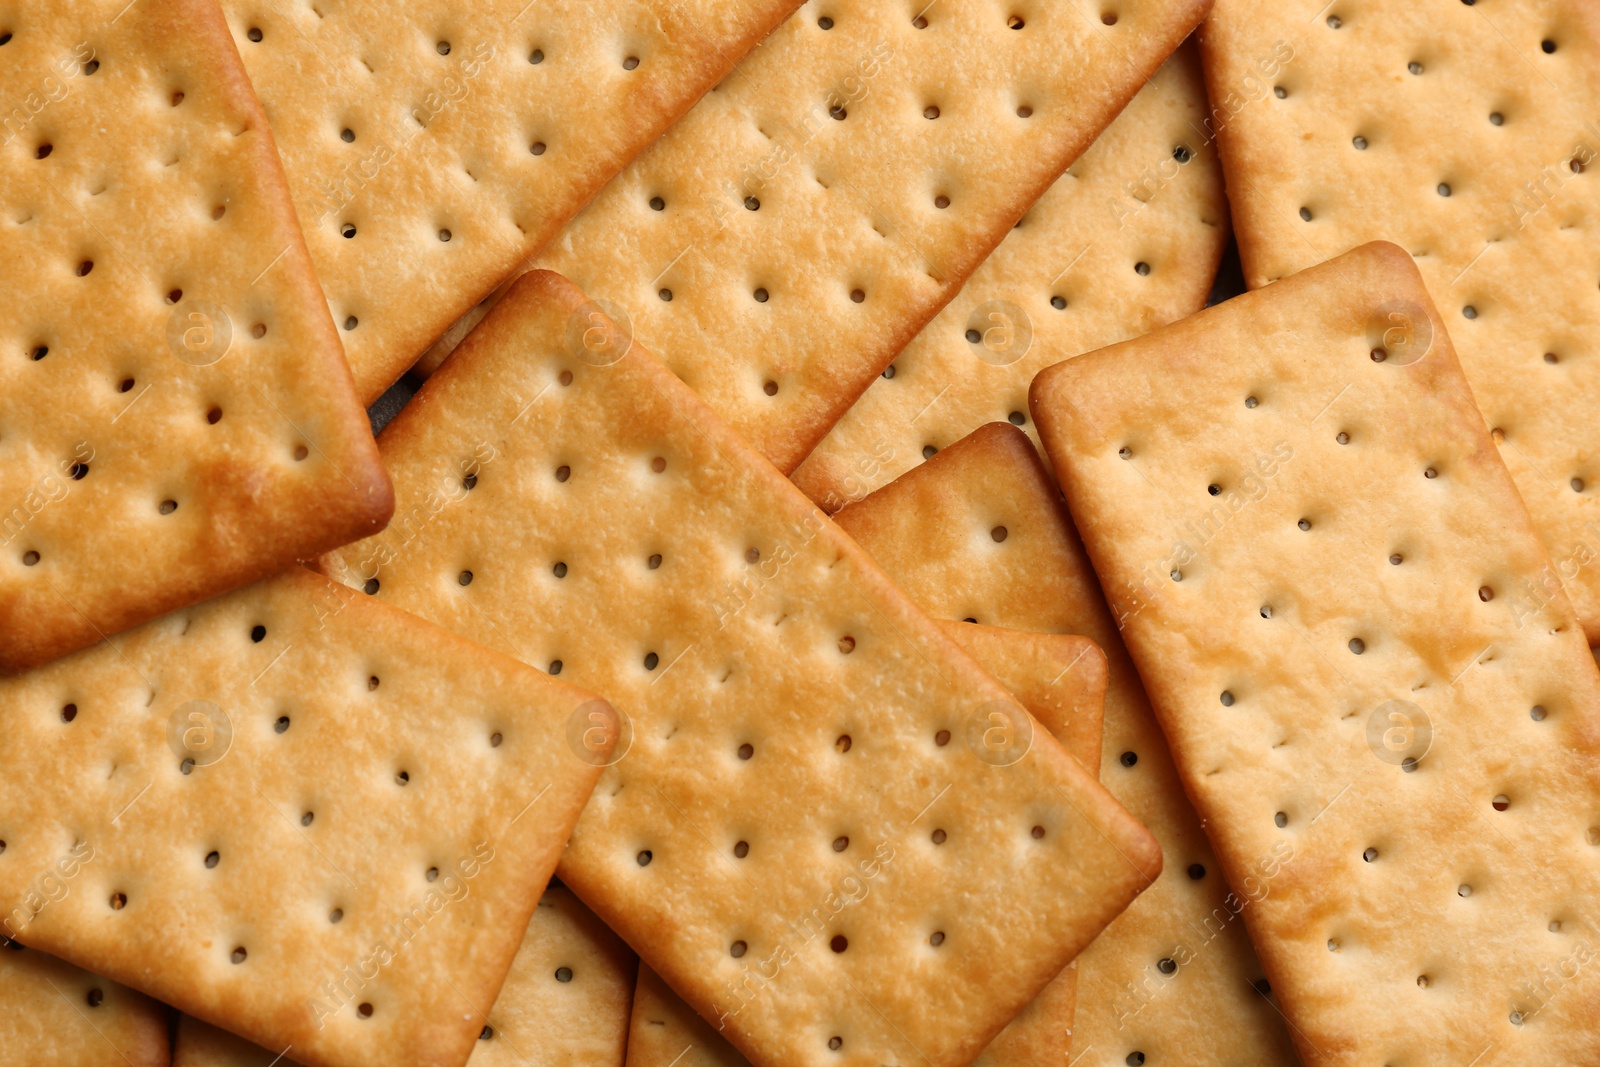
(1467, 134)
(176, 418)
(1061, 680)
(1127, 240)
(54, 1012)
(1383, 711)
(835, 191)
(809, 782)
(314, 820)
(979, 532)
(565, 1001)
(432, 147)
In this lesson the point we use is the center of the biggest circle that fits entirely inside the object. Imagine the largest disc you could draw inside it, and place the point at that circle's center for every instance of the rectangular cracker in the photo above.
(1323, 569)
(799, 244)
(176, 418)
(57, 1013)
(980, 533)
(474, 132)
(566, 1000)
(1061, 680)
(317, 821)
(779, 691)
(1126, 240)
(1501, 218)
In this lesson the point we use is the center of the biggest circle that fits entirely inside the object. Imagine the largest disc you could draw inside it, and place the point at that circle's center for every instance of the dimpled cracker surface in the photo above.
(980, 532)
(1333, 596)
(175, 416)
(1502, 212)
(565, 1001)
(317, 821)
(1126, 240)
(1060, 679)
(800, 733)
(431, 147)
(59, 1015)
(825, 201)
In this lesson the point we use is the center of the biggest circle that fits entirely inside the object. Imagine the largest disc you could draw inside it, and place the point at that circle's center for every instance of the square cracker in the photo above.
(980, 533)
(1126, 240)
(1061, 680)
(781, 694)
(1322, 569)
(57, 1013)
(800, 241)
(433, 146)
(1502, 211)
(255, 810)
(176, 418)
(566, 999)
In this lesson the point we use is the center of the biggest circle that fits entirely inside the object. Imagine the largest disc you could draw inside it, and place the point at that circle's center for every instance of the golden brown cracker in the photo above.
(800, 733)
(176, 417)
(1333, 595)
(317, 821)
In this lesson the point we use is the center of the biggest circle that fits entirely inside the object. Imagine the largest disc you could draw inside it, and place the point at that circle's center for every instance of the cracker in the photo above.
(432, 147)
(1501, 224)
(1127, 240)
(176, 419)
(566, 1000)
(1382, 711)
(57, 1013)
(1061, 680)
(800, 243)
(782, 693)
(979, 532)
(314, 820)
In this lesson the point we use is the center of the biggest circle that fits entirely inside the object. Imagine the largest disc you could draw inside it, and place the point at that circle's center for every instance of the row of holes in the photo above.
(1547, 46)
(1379, 355)
(535, 57)
(741, 849)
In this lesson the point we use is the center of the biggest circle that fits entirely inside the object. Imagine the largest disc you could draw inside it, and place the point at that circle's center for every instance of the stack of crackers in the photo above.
(1034, 534)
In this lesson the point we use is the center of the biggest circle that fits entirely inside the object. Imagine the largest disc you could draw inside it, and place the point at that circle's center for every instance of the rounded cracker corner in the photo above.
(1388, 253)
(1144, 852)
(1091, 659)
(545, 285)
(1039, 391)
(998, 434)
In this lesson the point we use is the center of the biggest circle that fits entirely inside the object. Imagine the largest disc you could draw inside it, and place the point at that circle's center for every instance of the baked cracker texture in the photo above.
(1061, 681)
(55, 1013)
(798, 730)
(431, 147)
(1126, 240)
(980, 533)
(1501, 209)
(176, 416)
(835, 191)
(1334, 596)
(565, 1001)
(314, 820)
